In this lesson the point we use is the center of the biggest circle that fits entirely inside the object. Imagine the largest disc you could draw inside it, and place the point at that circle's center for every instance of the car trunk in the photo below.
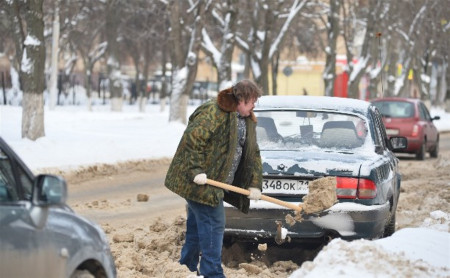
(399, 126)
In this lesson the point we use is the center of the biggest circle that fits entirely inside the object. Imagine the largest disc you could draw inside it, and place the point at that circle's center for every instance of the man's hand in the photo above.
(200, 178)
(255, 193)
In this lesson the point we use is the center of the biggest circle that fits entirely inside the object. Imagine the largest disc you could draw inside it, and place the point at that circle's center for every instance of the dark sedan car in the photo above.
(303, 138)
(40, 236)
(410, 118)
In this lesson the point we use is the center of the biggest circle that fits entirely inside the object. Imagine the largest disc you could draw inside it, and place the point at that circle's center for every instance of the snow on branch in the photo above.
(243, 44)
(217, 17)
(209, 47)
(193, 6)
(296, 7)
(99, 51)
(360, 66)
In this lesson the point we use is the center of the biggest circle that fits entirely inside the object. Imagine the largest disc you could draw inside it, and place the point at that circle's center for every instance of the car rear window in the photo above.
(295, 130)
(395, 109)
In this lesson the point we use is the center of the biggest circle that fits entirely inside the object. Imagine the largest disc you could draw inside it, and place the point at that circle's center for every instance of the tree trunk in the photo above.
(32, 116)
(275, 63)
(163, 90)
(365, 57)
(113, 64)
(263, 79)
(54, 59)
(32, 72)
(391, 73)
(227, 46)
(441, 89)
(88, 85)
(329, 74)
(186, 61)
(143, 87)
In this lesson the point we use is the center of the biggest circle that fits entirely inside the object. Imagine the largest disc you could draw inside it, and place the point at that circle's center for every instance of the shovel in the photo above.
(321, 196)
(246, 192)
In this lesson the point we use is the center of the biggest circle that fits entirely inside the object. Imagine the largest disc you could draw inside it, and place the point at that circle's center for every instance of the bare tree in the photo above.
(142, 33)
(186, 38)
(269, 23)
(435, 57)
(84, 37)
(329, 74)
(113, 16)
(431, 49)
(407, 32)
(28, 30)
(7, 51)
(163, 94)
(394, 33)
(367, 51)
(224, 22)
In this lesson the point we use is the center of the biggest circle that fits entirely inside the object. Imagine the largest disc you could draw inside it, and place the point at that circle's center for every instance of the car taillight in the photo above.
(366, 189)
(346, 188)
(415, 131)
(352, 188)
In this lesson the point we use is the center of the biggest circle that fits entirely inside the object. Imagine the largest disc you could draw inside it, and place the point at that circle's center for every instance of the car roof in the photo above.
(414, 100)
(313, 103)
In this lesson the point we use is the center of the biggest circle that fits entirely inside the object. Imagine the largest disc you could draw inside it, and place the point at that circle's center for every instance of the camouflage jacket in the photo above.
(207, 146)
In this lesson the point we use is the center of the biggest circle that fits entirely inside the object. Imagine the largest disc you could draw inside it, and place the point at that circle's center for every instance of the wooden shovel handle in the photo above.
(245, 192)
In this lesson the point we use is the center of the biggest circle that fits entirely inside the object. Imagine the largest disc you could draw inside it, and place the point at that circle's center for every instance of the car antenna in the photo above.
(379, 47)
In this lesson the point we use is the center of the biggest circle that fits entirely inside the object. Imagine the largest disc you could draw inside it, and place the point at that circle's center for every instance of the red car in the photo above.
(410, 118)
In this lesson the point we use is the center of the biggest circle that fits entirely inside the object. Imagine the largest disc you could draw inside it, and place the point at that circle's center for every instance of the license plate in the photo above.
(285, 186)
(391, 131)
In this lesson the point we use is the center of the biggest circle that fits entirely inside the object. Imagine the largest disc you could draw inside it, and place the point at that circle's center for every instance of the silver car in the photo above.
(40, 235)
(303, 138)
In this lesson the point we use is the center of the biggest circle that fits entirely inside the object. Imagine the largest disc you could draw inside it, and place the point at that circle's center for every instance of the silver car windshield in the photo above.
(295, 130)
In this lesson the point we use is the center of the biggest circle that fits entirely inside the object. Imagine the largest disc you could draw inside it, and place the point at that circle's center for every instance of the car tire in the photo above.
(82, 274)
(390, 227)
(420, 155)
(435, 152)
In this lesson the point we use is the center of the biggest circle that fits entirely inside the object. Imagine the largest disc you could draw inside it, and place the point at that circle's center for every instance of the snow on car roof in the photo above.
(313, 102)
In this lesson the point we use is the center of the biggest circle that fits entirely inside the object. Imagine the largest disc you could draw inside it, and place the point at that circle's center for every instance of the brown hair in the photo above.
(244, 90)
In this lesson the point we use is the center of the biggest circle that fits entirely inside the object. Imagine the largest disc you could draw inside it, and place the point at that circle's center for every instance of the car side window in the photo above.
(424, 114)
(380, 131)
(27, 184)
(8, 186)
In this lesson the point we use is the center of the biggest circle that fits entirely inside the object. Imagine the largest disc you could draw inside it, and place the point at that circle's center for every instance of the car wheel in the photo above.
(82, 274)
(390, 227)
(435, 152)
(420, 155)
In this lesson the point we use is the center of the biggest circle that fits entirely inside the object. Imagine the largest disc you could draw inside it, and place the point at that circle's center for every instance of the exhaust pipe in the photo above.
(281, 236)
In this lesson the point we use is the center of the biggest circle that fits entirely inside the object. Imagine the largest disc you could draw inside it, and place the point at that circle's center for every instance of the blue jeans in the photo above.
(205, 226)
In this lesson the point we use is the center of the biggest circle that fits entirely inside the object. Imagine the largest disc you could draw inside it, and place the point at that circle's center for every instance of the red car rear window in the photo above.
(395, 109)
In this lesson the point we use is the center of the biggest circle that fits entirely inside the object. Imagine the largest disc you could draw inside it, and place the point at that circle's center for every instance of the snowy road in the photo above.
(107, 195)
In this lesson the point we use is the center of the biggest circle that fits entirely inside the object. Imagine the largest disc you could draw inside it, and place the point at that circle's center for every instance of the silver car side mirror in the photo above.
(49, 190)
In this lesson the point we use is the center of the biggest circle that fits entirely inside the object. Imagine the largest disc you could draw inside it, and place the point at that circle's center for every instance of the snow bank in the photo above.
(410, 252)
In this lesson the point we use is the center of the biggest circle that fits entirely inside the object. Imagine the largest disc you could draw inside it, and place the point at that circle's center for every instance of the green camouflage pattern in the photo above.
(207, 146)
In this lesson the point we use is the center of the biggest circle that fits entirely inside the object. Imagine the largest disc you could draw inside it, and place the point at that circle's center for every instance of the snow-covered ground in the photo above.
(76, 137)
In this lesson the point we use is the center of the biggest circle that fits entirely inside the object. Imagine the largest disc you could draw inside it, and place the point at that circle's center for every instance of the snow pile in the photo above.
(439, 221)
(410, 252)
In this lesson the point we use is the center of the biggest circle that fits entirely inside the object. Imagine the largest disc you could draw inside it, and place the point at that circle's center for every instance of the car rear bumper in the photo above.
(345, 220)
(414, 144)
